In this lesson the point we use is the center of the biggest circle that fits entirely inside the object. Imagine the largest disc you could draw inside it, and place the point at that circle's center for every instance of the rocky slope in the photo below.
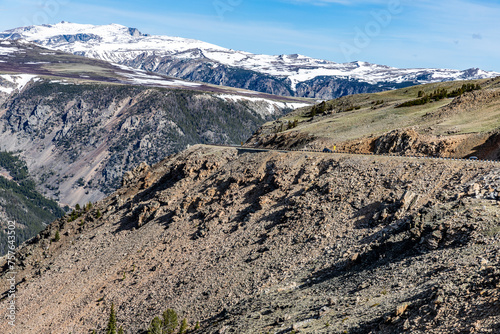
(268, 242)
(288, 75)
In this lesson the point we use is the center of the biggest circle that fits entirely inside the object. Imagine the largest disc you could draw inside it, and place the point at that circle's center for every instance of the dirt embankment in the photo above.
(407, 142)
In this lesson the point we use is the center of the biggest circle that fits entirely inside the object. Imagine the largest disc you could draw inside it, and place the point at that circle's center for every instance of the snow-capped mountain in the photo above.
(23, 61)
(290, 75)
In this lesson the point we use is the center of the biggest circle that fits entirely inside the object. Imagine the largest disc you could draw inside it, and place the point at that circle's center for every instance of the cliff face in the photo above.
(288, 75)
(202, 70)
(250, 242)
(78, 139)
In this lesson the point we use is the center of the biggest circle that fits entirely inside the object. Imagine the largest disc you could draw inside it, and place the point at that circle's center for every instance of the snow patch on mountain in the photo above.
(271, 105)
(141, 77)
(6, 89)
(17, 82)
(7, 51)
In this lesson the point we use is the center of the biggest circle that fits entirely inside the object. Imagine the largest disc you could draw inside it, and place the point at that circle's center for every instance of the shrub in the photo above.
(170, 322)
(74, 215)
(155, 326)
(314, 111)
(293, 124)
(184, 326)
(439, 94)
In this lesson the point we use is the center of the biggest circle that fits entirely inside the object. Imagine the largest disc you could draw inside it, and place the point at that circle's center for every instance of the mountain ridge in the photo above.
(289, 75)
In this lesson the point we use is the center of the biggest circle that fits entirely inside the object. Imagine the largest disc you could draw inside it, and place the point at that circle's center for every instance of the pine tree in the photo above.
(184, 326)
(170, 322)
(155, 326)
(314, 111)
(120, 330)
(197, 326)
(57, 237)
(77, 207)
(111, 328)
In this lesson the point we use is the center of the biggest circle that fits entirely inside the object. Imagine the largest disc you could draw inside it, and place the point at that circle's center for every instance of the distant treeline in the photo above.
(16, 167)
(439, 94)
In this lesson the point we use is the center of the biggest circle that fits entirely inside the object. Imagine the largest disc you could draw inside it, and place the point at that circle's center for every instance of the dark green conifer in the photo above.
(111, 328)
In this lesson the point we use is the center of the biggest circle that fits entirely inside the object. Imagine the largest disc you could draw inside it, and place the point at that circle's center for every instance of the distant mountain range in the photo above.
(78, 120)
(286, 75)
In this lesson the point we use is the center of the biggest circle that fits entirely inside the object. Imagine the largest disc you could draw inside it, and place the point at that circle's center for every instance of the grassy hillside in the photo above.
(463, 119)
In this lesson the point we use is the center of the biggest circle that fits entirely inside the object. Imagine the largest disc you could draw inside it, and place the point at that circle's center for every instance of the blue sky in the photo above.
(447, 34)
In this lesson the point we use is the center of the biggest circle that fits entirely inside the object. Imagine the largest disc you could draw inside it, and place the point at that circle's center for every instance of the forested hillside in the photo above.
(20, 202)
